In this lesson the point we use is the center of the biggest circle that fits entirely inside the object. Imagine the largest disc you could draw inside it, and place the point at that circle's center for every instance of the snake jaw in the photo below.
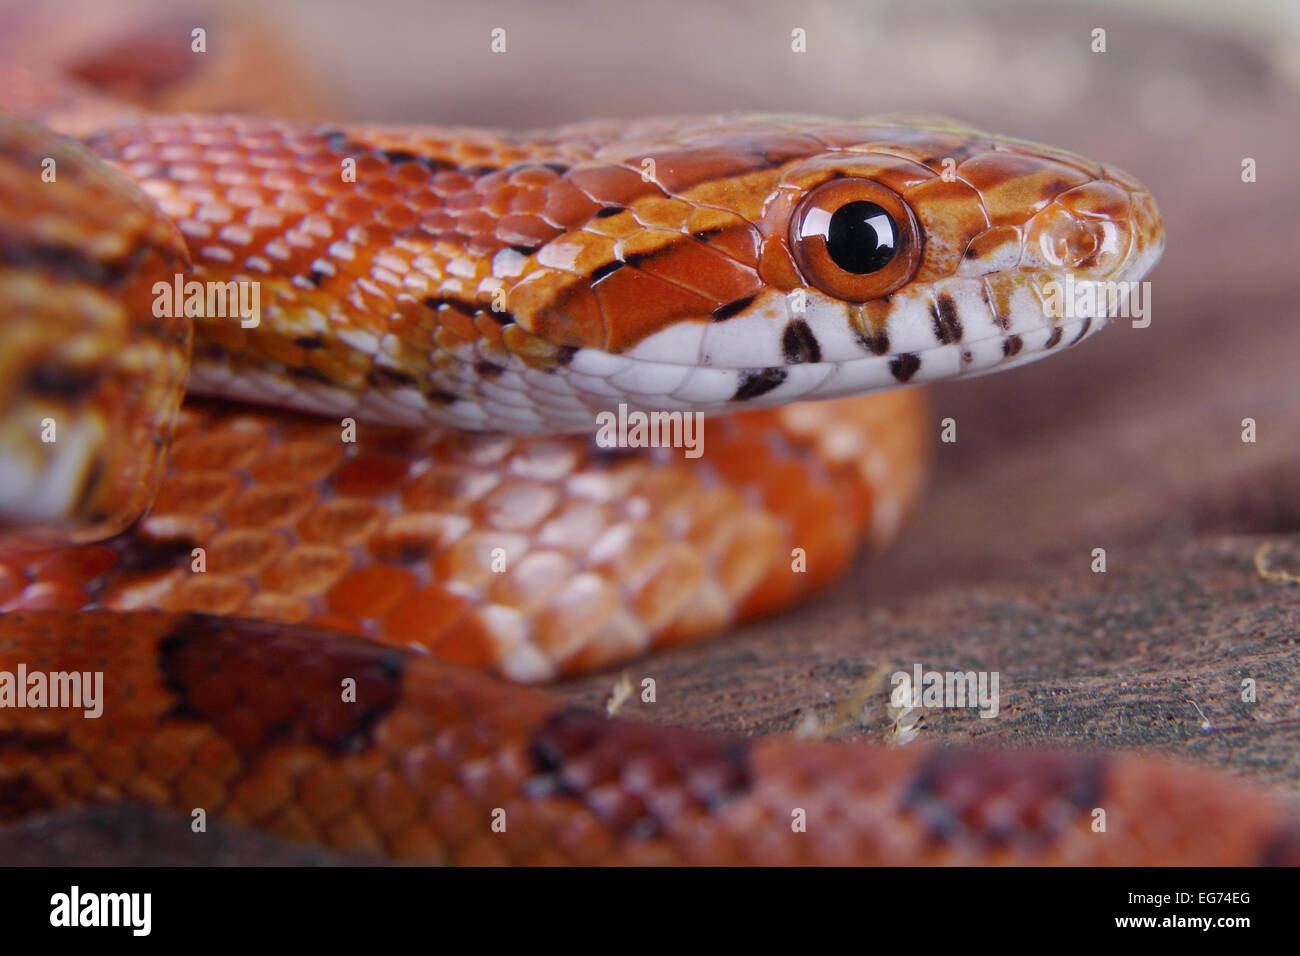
(989, 294)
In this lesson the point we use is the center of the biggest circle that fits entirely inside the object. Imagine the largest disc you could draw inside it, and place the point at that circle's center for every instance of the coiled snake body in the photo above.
(414, 493)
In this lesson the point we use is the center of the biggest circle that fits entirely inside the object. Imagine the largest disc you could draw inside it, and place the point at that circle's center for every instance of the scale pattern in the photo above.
(244, 719)
(317, 561)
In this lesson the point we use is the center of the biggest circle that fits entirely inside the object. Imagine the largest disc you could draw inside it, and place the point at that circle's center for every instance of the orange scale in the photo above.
(575, 319)
(448, 341)
(417, 843)
(670, 587)
(390, 802)
(372, 474)
(282, 351)
(754, 549)
(450, 810)
(576, 612)
(72, 566)
(461, 323)
(270, 606)
(785, 485)
(369, 591)
(483, 247)
(476, 222)
(185, 491)
(740, 243)
(743, 460)
(533, 177)
(263, 792)
(490, 332)
(165, 753)
(612, 185)
(306, 569)
(291, 822)
(48, 596)
(707, 612)
(425, 616)
(467, 644)
(206, 593)
(519, 505)
(243, 551)
(437, 222)
(269, 505)
(532, 581)
(424, 198)
(702, 269)
(528, 202)
(626, 548)
(638, 304)
(217, 757)
(338, 623)
(462, 202)
(401, 731)
(305, 460)
(116, 763)
(224, 449)
(480, 852)
(529, 230)
(776, 265)
(667, 489)
(324, 794)
(575, 526)
(620, 226)
(469, 559)
(79, 781)
(498, 201)
(823, 520)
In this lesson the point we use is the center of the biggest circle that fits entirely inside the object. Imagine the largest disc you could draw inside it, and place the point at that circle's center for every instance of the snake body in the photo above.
(414, 493)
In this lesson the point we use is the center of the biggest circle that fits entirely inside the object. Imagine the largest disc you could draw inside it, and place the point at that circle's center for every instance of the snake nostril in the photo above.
(1082, 244)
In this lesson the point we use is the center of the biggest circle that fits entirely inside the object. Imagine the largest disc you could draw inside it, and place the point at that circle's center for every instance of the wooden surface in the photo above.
(1131, 443)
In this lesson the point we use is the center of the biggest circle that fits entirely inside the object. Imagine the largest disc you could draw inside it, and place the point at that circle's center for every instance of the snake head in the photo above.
(774, 259)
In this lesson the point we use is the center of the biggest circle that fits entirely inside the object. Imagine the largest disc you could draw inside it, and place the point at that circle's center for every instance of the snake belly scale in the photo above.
(467, 301)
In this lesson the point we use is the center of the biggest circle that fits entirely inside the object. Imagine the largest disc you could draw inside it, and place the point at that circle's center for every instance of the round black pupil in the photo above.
(861, 238)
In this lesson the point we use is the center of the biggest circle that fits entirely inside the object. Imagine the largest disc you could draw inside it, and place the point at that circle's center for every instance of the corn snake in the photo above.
(415, 773)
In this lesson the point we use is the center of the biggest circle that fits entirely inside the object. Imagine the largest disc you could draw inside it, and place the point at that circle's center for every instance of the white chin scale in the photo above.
(944, 329)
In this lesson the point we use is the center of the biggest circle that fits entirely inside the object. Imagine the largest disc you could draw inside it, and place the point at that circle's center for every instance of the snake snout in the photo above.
(1108, 228)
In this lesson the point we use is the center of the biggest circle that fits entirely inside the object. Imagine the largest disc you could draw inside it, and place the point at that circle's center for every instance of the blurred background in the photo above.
(1130, 443)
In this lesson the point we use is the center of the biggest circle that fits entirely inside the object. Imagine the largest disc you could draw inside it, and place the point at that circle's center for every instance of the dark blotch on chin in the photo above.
(877, 343)
(758, 381)
(905, 366)
(798, 344)
(947, 325)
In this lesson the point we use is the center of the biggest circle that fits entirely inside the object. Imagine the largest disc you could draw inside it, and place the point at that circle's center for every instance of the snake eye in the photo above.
(855, 239)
